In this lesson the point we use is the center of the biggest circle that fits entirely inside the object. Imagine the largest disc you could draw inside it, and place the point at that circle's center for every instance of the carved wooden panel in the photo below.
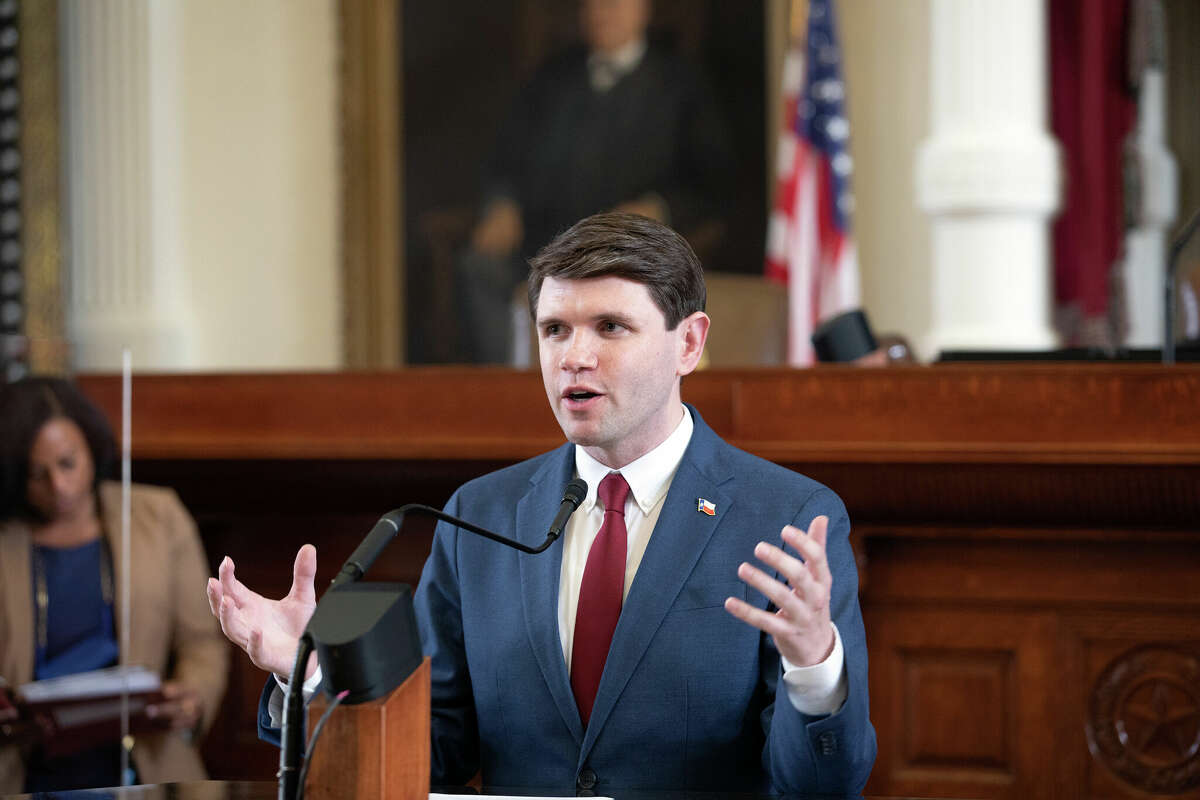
(1143, 721)
(1108, 616)
(1138, 704)
(955, 695)
(959, 710)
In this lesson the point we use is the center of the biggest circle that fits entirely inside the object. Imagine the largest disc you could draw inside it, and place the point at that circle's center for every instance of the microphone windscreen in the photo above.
(575, 492)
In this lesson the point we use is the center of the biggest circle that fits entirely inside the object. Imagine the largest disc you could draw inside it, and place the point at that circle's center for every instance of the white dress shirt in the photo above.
(604, 70)
(815, 690)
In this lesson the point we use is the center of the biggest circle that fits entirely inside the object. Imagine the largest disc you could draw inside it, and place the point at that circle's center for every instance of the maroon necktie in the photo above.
(600, 595)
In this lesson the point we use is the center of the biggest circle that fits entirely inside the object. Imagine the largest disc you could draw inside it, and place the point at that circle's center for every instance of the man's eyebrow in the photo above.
(603, 316)
(615, 316)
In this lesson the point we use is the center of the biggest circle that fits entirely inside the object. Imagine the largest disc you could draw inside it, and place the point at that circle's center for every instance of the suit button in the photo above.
(586, 780)
(827, 743)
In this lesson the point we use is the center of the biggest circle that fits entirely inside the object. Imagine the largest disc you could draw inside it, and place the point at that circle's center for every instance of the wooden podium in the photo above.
(375, 749)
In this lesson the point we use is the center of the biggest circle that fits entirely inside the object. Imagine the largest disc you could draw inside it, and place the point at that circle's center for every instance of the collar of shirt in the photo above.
(605, 69)
(648, 477)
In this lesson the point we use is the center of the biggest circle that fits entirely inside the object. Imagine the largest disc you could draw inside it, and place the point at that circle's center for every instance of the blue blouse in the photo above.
(74, 632)
(79, 630)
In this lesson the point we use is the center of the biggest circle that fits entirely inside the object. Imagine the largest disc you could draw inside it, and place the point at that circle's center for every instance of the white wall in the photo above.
(886, 61)
(258, 133)
(235, 143)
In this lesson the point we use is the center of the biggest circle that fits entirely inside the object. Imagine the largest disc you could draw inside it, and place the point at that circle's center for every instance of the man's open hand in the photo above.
(801, 627)
(268, 630)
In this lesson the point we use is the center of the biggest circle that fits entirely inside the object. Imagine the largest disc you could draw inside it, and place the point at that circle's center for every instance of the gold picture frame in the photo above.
(45, 312)
(372, 198)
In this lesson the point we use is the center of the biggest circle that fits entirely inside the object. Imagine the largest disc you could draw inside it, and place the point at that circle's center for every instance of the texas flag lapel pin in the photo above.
(706, 506)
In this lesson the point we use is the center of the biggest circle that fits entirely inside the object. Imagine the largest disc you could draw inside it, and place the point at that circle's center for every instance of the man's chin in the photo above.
(585, 434)
(581, 438)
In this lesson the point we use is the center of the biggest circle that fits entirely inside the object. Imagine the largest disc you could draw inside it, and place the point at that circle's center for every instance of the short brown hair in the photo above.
(626, 246)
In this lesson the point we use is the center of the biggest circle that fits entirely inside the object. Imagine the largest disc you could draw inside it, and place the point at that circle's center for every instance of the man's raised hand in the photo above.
(268, 630)
(801, 627)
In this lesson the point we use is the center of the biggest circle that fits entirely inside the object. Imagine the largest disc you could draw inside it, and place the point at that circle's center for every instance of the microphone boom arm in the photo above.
(389, 525)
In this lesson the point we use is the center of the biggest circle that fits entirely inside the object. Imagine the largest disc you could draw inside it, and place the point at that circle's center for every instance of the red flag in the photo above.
(809, 246)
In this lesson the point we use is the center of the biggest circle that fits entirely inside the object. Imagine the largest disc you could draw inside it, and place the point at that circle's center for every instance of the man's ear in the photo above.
(693, 333)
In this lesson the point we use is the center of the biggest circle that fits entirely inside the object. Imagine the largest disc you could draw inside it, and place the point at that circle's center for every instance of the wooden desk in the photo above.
(1028, 536)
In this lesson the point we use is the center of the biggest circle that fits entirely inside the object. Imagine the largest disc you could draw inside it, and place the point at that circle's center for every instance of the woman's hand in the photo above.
(181, 707)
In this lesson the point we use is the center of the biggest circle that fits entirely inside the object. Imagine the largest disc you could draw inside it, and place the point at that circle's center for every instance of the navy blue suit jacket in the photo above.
(687, 698)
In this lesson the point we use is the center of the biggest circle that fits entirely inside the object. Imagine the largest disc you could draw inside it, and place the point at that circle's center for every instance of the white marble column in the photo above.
(202, 183)
(123, 282)
(988, 177)
(1153, 171)
(1143, 270)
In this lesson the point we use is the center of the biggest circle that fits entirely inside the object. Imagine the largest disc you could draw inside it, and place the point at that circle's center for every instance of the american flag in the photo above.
(809, 246)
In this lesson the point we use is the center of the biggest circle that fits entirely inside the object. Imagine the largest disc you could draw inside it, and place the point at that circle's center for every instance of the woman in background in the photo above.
(60, 573)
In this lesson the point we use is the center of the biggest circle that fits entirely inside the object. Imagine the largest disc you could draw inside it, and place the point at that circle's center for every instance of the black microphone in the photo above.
(572, 496)
(389, 525)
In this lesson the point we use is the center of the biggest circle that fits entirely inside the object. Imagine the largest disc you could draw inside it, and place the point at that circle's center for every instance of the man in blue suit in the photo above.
(675, 663)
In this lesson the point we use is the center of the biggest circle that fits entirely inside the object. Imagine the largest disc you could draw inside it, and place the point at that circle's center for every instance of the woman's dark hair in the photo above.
(27, 405)
(626, 246)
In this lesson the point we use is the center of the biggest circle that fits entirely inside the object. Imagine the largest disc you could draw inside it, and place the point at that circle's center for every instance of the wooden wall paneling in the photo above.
(975, 414)
(899, 490)
(1019, 529)
(1138, 704)
(959, 710)
(963, 700)
(1133, 415)
(435, 413)
(940, 605)
(1014, 568)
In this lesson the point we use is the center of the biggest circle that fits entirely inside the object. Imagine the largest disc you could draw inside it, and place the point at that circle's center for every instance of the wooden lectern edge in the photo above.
(374, 749)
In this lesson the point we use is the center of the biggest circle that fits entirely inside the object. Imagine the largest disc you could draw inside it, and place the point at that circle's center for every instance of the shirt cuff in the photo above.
(275, 704)
(822, 688)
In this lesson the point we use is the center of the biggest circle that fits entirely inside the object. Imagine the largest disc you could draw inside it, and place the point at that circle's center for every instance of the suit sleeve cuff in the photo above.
(275, 704)
(822, 688)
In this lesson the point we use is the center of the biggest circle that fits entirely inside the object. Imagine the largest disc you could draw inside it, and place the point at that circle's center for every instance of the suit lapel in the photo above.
(540, 579)
(679, 538)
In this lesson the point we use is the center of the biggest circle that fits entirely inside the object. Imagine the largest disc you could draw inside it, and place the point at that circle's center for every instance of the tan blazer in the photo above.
(169, 616)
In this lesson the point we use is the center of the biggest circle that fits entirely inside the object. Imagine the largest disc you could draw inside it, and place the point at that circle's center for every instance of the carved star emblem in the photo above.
(1160, 721)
